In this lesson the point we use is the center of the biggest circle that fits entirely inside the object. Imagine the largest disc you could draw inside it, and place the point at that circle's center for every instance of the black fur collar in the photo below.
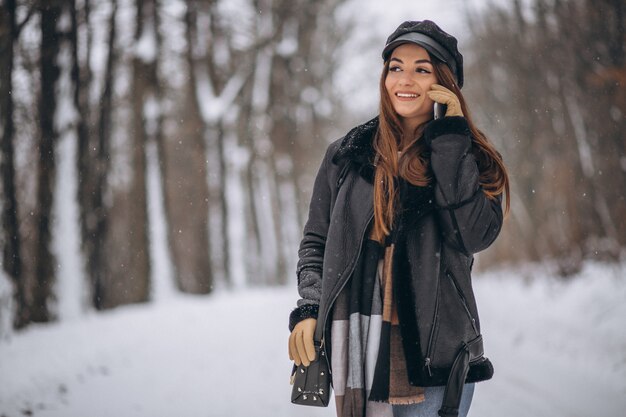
(356, 147)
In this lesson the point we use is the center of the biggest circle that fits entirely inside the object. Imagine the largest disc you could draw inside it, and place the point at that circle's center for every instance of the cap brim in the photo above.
(422, 40)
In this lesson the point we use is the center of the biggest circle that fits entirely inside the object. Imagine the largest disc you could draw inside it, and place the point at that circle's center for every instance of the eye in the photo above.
(394, 68)
(422, 70)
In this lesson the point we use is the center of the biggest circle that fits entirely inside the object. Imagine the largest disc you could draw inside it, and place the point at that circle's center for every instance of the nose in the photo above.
(405, 79)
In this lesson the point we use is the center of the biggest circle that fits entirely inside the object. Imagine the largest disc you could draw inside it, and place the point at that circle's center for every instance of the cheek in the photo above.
(426, 87)
(428, 82)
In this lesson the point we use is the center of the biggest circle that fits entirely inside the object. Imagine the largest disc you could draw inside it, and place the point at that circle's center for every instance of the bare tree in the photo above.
(10, 234)
(215, 87)
(232, 137)
(185, 184)
(144, 78)
(50, 14)
(127, 277)
(559, 124)
(93, 162)
(302, 104)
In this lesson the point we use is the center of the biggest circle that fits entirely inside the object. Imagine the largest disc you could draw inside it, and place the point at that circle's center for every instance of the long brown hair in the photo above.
(414, 163)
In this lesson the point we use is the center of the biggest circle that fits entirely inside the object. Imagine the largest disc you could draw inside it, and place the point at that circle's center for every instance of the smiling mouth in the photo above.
(407, 95)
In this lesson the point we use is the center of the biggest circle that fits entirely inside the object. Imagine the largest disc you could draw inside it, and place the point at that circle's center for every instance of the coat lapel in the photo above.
(357, 148)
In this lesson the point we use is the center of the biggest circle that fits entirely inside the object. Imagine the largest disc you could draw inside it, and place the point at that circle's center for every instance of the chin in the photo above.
(413, 113)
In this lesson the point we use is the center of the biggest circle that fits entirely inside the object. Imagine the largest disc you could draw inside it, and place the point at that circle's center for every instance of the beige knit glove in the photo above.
(442, 95)
(301, 347)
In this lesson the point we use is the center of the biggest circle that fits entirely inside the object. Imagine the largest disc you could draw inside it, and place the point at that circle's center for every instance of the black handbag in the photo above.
(311, 384)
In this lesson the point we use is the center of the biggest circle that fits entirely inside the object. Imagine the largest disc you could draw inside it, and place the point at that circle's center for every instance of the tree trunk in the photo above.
(215, 85)
(223, 203)
(186, 189)
(134, 285)
(128, 274)
(93, 167)
(50, 13)
(11, 244)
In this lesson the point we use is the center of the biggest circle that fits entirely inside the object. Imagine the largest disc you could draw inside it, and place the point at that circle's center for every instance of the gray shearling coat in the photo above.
(438, 311)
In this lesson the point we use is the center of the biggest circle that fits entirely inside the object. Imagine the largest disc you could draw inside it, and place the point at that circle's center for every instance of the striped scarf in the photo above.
(369, 369)
(368, 361)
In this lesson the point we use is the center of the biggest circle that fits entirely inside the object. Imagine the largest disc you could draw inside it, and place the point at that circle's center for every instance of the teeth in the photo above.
(405, 95)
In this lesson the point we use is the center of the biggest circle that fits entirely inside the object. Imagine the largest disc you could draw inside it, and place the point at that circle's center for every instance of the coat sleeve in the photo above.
(312, 245)
(470, 221)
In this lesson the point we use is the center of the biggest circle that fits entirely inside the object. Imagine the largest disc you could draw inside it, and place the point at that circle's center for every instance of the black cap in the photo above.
(431, 37)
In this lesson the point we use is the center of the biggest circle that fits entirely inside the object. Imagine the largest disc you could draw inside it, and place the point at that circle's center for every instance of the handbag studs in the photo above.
(311, 385)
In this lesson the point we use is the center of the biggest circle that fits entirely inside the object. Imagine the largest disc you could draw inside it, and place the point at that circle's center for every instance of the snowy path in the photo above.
(225, 355)
(558, 350)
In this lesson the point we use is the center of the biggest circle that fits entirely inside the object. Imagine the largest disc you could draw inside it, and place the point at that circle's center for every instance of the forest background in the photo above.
(181, 138)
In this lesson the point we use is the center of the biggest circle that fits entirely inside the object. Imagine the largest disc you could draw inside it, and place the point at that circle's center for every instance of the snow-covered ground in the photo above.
(559, 350)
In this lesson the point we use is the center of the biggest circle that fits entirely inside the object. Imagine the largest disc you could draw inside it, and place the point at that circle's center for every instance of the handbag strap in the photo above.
(317, 335)
(456, 379)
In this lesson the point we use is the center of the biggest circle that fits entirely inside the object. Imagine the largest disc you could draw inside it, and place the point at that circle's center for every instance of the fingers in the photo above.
(308, 344)
(439, 87)
(442, 97)
(301, 349)
(293, 350)
(441, 94)
(301, 346)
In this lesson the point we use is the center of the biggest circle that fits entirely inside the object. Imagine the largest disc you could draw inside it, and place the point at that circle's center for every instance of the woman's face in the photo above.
(409, 78)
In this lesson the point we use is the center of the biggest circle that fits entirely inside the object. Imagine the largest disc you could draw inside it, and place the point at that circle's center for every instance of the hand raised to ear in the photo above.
(442, 95)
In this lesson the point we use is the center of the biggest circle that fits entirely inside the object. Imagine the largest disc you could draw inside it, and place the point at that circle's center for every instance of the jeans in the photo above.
(432, 403)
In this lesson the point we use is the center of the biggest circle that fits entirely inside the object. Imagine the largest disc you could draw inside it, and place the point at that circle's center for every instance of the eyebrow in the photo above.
(419, 61)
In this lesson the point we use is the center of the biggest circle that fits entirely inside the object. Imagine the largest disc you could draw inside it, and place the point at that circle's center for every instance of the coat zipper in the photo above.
(433, 328)
(330, 305)
(463, 301)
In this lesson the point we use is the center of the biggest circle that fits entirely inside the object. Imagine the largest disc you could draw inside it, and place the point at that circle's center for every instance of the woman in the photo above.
(399, 207)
